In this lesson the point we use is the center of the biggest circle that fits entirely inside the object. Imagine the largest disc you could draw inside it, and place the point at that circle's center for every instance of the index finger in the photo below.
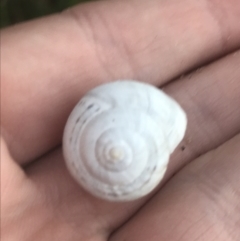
(48, 64)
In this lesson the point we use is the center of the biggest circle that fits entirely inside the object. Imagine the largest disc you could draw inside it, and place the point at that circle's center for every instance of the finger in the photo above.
(12, 176)
(17, 195)
(201, 203)
(48, 64)
(71, 203)
(211, 98)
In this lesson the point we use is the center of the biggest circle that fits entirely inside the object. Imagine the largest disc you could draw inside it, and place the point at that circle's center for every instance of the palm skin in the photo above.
(48, 64)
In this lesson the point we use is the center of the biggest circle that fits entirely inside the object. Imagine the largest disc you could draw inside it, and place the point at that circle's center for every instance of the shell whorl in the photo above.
(118, 139)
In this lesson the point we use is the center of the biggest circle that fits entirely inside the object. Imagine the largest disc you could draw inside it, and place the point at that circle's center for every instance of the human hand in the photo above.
(48, 64)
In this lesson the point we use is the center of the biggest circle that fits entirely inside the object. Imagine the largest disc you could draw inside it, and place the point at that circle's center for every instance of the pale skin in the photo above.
(48, 64)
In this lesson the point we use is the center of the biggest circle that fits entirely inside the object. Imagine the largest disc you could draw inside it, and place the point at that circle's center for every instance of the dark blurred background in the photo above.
(14, 11)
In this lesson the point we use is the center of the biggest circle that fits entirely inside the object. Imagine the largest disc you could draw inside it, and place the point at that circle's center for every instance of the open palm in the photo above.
(48, 64)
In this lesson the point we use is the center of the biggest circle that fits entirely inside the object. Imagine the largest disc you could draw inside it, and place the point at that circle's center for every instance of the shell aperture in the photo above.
(119, 137)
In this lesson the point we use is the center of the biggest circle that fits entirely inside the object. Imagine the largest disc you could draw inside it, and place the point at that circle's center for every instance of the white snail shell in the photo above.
(118, 139)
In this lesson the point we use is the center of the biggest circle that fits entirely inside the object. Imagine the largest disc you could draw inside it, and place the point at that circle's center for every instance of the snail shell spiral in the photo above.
(118, 139)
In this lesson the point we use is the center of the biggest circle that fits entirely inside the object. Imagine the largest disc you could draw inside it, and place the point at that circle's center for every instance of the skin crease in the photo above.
(199, 196)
